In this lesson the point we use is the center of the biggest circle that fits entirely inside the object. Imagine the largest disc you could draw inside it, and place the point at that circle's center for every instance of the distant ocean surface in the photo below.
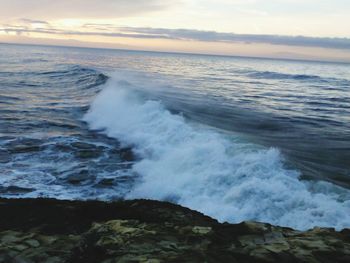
(235, 138)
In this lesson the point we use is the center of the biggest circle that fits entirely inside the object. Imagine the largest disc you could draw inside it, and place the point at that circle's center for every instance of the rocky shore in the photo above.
(49, 230)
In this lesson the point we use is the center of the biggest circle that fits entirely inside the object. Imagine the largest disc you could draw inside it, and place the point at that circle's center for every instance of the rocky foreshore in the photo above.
(49, 230)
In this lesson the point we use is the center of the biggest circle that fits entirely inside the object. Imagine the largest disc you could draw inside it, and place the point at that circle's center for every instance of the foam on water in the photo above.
(218, 174)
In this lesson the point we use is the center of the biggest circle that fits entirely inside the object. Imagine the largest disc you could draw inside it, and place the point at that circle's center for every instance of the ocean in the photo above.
(235, 138)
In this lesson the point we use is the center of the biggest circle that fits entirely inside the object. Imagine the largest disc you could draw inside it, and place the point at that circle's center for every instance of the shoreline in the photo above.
(50, 230)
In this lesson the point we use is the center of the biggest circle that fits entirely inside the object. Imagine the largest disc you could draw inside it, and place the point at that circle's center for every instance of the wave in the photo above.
(276, 75)
(83, 77)
(207, 170)
(298, 77)
(63, 76)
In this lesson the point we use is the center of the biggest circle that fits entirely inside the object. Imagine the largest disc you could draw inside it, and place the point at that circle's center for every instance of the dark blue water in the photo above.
(217, 134)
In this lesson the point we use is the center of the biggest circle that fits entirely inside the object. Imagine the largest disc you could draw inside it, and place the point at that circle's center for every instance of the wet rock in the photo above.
(15, 190)
(80, 177)
(86, 150)
(88, 154)
(106, 182)
(24, 145)
(83, 145)
(123, 179)
(47, 230)
(25, 149)
(117, 181)
(127, 154)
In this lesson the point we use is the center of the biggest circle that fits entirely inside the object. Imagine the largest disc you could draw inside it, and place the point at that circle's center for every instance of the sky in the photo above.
(297, 29)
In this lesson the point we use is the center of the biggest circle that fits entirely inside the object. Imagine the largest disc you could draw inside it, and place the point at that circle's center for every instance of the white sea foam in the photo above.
(209, 171)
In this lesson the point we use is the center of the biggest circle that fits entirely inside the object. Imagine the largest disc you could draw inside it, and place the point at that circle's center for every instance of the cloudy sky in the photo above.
(310, 29)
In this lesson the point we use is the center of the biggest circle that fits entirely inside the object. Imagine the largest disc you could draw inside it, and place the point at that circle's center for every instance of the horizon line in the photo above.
(179, 53)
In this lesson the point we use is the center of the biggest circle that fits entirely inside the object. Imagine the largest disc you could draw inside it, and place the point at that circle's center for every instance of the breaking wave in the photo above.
(217, 173)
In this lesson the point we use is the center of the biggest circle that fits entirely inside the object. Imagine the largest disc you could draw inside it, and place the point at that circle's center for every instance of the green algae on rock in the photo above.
(48, 230)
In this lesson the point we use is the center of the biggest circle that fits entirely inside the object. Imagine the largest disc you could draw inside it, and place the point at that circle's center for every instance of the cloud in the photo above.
(201, 35)
(110, 30)
(32, 21)
(19, 30)
(48, 9)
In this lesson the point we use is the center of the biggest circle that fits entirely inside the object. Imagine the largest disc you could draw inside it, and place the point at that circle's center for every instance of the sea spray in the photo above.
(215, 173)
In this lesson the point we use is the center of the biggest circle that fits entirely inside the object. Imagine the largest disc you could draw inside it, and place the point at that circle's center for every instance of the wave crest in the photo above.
(218, 174)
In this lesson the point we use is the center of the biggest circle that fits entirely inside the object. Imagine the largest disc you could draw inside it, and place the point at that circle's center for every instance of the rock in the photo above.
(24, 249)
(32, 242)
(88, 154)
(24, 145)
(13, 189)
(87, 150)
(9, 237)
(25, 148)
(127, 154)
(83, 145)
(106, 182)
(48, 230)
(80, 177)
(19, 247)
(201, 230)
